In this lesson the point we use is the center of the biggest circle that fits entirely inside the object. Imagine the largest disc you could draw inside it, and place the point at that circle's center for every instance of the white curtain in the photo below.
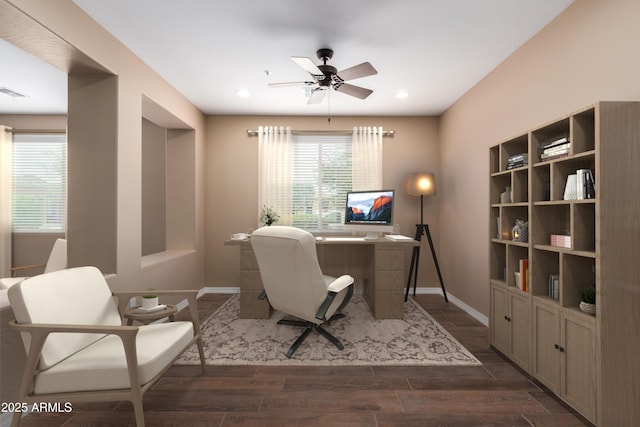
(274, 171)
(367, 158)
(5, 200)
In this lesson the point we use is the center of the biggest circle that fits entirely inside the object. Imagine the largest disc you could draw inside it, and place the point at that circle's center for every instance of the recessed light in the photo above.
(402, 94)
(243, 93)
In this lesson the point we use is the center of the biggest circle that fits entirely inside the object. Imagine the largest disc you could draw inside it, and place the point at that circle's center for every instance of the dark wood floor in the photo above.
(494, 394)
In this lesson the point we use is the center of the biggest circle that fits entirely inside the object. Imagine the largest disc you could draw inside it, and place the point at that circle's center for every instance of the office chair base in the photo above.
(309, 326)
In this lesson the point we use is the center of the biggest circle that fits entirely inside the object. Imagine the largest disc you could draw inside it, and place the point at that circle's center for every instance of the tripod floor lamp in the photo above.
(422, 184)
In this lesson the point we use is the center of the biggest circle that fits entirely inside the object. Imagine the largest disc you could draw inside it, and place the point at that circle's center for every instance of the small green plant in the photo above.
(588, 295)
(268, 216)
(149, 296)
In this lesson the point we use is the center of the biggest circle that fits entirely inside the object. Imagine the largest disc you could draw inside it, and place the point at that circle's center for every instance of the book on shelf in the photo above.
(560, 241)
(523, 265)
(557, 147)
(585, 186)
(556, 141)
(570, 187)
(580, 185)
(517, 161)
(554, 286)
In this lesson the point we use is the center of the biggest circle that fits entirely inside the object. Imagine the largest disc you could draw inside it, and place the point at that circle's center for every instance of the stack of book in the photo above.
(554, 148)
(517, 161)
(560, 241)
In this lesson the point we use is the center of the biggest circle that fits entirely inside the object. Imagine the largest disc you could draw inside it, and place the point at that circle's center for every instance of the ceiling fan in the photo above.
(326, 76)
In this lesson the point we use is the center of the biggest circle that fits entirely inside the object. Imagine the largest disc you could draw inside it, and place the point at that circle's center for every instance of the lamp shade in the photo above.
(421, 184)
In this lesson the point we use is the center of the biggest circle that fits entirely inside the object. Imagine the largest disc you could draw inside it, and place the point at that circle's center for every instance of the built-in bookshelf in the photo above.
(540, 326)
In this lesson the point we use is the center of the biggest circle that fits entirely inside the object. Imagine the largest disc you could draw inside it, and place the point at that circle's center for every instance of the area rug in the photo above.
(418, 340)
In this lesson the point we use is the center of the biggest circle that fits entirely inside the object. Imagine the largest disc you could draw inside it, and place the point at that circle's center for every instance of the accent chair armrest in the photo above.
(15, 270)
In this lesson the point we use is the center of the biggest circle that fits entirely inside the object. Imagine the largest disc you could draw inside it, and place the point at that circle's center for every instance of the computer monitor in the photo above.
(370, 212)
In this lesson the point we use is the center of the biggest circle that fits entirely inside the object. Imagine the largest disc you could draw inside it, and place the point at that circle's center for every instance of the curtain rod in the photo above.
(36, 130)
(322, 132)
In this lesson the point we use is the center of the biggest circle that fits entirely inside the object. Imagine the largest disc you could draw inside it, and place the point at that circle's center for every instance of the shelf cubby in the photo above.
(515, 253)
(583, 131)
(583, 223)
(548, 219)
(544, 135)
(578, 272)
(541, 183)
(509, 216)
(546, 263)
(512, 147)
(498, 257)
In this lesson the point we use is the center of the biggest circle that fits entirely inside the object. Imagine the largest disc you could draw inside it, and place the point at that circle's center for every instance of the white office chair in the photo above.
(294, 283)
(77, 348)
(57, 261)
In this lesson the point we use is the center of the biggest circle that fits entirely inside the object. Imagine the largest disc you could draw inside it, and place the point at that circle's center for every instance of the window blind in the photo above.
(321, 175)
(39, 172)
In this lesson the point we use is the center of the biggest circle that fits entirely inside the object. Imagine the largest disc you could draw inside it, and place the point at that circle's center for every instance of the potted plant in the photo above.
(588, 303)
(268, 216)
(149, 301)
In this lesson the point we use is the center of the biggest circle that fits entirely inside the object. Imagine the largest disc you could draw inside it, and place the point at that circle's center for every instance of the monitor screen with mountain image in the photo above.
(370, 212)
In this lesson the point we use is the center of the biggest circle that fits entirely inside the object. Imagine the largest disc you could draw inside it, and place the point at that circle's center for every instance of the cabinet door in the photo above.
(546, 345)
(520, 330)
(579, 365)
(500, 325)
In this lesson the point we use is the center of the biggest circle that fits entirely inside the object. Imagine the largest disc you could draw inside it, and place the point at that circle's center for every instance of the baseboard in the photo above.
(458, 303)
(430, 290)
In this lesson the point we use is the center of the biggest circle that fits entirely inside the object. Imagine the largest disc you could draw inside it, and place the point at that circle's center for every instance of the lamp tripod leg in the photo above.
(413, 268)
(435, 259)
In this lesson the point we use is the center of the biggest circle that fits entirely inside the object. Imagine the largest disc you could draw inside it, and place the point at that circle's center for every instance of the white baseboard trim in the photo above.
(428, 290)
(458, 303)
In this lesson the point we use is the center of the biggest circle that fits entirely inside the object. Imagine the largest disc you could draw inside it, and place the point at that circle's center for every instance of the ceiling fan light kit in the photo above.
(327, 76)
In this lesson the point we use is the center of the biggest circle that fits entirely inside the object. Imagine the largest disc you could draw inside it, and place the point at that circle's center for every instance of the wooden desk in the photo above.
(379, 265)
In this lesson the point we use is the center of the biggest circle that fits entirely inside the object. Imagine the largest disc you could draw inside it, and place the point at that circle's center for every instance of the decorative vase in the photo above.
(148, 303)
(588, 308)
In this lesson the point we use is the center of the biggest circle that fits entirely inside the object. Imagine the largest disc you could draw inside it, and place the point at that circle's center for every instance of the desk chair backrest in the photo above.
(289, 269)
(78, 296)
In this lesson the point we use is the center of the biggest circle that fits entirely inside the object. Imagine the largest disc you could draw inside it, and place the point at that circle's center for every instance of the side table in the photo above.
(145, 318)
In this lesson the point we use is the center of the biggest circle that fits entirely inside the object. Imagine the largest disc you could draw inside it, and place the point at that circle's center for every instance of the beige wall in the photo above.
(60, 33)
(589, 53)
(232, 180)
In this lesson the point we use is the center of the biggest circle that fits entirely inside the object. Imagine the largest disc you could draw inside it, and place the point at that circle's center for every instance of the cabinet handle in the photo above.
(561, 349)
(556, 346)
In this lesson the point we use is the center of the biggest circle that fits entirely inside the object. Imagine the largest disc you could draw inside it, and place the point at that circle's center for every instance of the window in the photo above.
(321, 175)
(39, 173)
(305, 176)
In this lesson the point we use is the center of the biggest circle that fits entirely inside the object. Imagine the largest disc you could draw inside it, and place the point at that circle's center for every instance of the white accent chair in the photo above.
(57, 261)
(95, 358)
(294, 283)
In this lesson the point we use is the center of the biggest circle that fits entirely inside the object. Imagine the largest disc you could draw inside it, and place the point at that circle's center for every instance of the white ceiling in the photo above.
(207, 49)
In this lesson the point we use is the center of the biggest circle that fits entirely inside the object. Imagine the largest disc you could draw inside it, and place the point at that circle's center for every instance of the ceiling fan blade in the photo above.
(357, 91)
(317, 96)
(361, 70)
(308, 65)
(285, 84)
